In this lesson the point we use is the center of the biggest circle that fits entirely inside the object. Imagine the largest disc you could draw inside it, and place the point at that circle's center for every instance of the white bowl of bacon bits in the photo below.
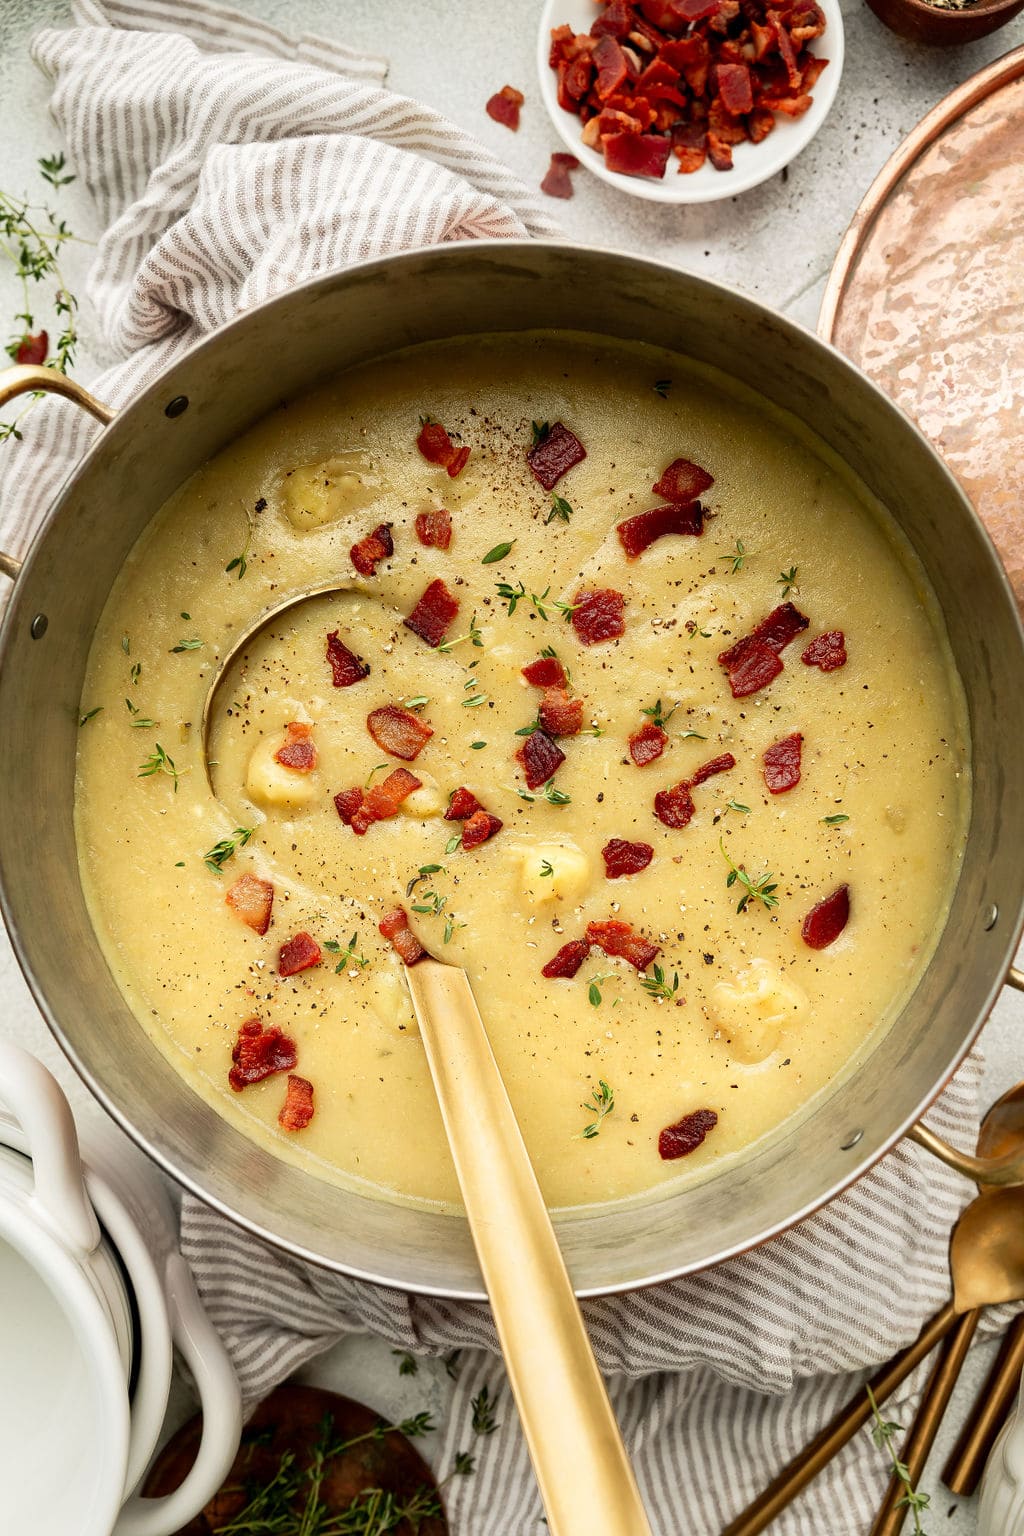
(687, 101)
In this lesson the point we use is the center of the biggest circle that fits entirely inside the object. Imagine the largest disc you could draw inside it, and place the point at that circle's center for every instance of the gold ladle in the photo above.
(987, 1263)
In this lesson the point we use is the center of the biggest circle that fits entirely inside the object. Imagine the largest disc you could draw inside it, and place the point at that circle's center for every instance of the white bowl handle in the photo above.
(221, 1404)
(58, 1196)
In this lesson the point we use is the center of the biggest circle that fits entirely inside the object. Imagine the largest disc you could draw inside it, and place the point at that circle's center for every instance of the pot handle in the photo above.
(220, 1401)
(1004, 1170)
(25, 378)
(44, 1114)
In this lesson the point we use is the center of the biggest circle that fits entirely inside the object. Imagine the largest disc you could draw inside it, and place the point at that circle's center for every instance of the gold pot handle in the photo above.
(1008, 1169)
(26, 378)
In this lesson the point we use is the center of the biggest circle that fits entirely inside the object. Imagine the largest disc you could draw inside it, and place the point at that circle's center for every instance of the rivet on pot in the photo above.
(991, 918)
(177, 406)
(851, 1141)
(37, 629)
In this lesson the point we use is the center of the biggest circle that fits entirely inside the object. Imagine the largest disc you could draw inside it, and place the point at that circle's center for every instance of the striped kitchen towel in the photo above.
(228, 162)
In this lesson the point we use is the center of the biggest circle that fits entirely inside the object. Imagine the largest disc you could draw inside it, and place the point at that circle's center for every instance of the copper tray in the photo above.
(926, 293)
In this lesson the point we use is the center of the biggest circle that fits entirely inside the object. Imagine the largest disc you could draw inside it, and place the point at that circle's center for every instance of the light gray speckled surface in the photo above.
(776, 242)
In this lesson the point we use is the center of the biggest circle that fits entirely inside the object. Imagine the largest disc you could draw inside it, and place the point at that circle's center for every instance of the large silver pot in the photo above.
(283, 348)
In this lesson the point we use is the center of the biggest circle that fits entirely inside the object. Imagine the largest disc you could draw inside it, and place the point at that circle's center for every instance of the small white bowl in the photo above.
(754, 163)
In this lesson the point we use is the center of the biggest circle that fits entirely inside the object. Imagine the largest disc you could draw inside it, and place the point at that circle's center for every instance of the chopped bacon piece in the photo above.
(347, 802)
(476, 829)
(504, 106)
(782, 764)
(610, 63)
(346, 667)
(720, 764)
(546, 672)
(556, 452)
(617, 938)
(437, 448)
(33, 349)
(735, 88)
(647, 744)
(433, 614)
(540, 758)
(297, 1109)
(615, 20)
(827, 651)
(394, 926)
(781, 626)
(686, 1135)
(434, 529)
(683, 481)
(299, 750)
(789, 106)
(826, 921)
(377, 546)
(259, 1053)
(690, 146)
(382, 801)
(298, 954)
(598, 615)
(753, 661)
(398, 731)
(758, 665)
(674, 807)
(458, 462)
(760, 123)
(624, 858)
(559, 714)
(252, 899)
(567, 961)
(786, 50)
(639, 532)
(636, 154)
(557, 182)
(462, 805)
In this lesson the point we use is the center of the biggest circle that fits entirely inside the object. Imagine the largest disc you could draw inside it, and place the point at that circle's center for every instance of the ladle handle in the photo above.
(584, 1475)
(987, 1171)
(805, 1467)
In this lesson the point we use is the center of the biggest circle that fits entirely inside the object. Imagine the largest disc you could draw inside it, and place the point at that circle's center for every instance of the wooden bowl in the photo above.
(924, 23)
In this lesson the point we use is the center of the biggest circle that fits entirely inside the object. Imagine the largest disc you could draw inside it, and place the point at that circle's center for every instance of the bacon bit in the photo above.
(623, 858)
(299, 751)
(598, 615)
(686, 1135)
(346, 667)
(546, 672)
(33, 349)
(610, 63)
(437, 448)
(615, 20)
(394, 926)
(558, 450)
(674, 807)
(298, 954)
(297, 1109)
(720, 764)
(478, 828)
(382, 800)
(735, 88)
(757, 667)
(458, 462)
(462, 805)
(259, 1053)
(377, 546)
(433, 614)
(347, 802)
(753, 661)
(636, 154)
(504, 106)
(252, 899)
(568, 960)
(398, 731)
(647, 744)
(782, 764)
(827, 651)
(638, 533)
(556, 181)
(540, 759)
(683, 481)
(434, 529)
(621, 939)
(560, 715)
(690, 146)
(826, 921)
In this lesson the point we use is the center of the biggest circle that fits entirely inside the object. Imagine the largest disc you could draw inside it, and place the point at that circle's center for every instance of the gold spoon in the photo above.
(567, 1419)
(987, 1263)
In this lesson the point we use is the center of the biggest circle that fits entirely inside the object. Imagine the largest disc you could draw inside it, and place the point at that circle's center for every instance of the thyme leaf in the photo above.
(659, 987)
(603, 1103)
(159, 762)
(760, 889)
(560, 509)
(219, 854)
(498, 552)
(787, 581)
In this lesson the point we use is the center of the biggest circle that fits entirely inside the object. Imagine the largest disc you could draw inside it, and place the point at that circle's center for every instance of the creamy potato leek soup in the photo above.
(679, 775)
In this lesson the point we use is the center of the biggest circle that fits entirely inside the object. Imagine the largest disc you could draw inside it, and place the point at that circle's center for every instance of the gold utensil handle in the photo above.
(805, 1467)
(999, 1171)
(962, 1472)
(584, 1475)
(918, 1443)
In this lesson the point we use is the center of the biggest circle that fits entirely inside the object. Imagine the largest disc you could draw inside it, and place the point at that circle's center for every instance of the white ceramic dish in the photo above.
(754, 163)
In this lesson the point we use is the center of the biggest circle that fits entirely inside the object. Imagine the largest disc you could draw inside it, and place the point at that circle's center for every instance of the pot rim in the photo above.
(1012, 925)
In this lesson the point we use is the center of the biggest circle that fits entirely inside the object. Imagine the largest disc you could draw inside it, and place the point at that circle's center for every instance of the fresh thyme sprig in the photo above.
(594, 996)
(658, 986)
(408, 1365)
(484, 1422)
(762, 889)
(603, 1103)
(787, 581)
(473, 635)
(348, 954)
(549, 793)
(432, 904)
(241, 561)
(560, 509)
(658, 716)
(513, 596)
(883, 1433)
(159, 762)
(226, 849)
(735, 557)
(423, 873)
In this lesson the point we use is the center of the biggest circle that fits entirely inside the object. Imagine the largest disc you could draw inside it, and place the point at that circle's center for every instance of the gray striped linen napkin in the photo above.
(227, 162)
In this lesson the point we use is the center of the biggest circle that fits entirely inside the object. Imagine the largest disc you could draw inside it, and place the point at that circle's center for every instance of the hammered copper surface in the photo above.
(932, 307)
